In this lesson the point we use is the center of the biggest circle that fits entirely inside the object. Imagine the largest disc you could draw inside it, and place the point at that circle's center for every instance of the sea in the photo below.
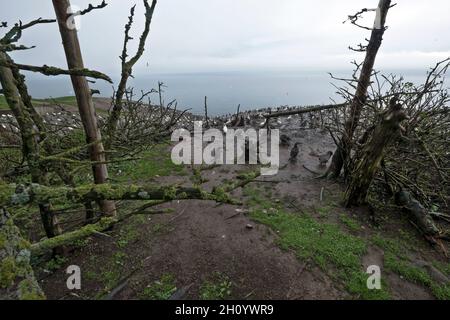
(224, 90)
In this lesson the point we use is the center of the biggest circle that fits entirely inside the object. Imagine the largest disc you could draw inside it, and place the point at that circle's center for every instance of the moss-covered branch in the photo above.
(70, 237)
(34, 193)
(54, 71)
(13, 47)
(242, 180)
(17, 280)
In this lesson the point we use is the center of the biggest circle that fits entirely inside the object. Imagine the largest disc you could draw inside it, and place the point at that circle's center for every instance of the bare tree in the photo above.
(127, 66)
(34, 135)
(30, 145)
(402, 152)
(359, 100)
(28, 121)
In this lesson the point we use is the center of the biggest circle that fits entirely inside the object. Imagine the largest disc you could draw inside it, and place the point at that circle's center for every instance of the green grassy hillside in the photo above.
(69, 100)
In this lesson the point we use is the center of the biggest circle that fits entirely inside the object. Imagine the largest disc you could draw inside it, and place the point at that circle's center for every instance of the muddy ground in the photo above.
(204, 250)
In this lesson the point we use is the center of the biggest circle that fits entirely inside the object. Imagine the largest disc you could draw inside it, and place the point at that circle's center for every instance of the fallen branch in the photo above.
(305, 110)
(35, 193)
(243, 180)
(442, 216)
(70, 237)
(310, 170)
(418, 213)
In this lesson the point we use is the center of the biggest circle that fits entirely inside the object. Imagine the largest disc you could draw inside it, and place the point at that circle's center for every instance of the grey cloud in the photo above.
(218, 35)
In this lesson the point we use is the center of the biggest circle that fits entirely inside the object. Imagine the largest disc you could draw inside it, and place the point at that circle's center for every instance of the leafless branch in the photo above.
(54, 71)
(15, 33)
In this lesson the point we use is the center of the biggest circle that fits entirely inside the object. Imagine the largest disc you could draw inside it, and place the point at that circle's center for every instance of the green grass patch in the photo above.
(396, 261)
(109, 278)
(152, 163)
(111, 275)
(161, 289)
(217, 289)
(68, 100)
(326, 245)
(3, 103)
(127, 234)
(417, 275)
(56, 263)
(443, 267)
(336, 252)
(394, 246)
(106, 271)
(161, 228)
(324, 211)
(349, 222)
(196, 177)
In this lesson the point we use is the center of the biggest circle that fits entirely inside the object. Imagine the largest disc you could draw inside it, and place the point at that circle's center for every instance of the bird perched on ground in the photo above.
(324, 158)
(294, 153)
(284, 140)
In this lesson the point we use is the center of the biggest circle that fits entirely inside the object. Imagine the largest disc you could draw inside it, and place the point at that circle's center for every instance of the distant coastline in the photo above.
(225, 90)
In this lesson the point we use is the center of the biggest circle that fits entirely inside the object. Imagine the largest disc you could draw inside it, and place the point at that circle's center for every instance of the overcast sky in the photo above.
(240, 35)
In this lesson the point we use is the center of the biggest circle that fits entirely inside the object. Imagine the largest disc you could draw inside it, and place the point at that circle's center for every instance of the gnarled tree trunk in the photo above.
(369, 159)
(359, 100)
(30, 146)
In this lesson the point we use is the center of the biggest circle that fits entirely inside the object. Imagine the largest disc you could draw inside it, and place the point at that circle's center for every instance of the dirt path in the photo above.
(202, 243)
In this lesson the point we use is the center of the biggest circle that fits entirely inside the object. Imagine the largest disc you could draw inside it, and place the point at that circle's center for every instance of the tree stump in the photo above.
(368, 160)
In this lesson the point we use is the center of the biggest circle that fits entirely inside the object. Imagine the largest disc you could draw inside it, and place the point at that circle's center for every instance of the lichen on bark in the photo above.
(17, 280)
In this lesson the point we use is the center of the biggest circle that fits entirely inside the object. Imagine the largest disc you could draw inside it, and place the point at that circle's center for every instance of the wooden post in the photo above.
(84, 100)
(206, 113)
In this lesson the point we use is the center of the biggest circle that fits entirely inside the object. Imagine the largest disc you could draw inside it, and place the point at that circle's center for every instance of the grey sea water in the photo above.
(225, 90)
